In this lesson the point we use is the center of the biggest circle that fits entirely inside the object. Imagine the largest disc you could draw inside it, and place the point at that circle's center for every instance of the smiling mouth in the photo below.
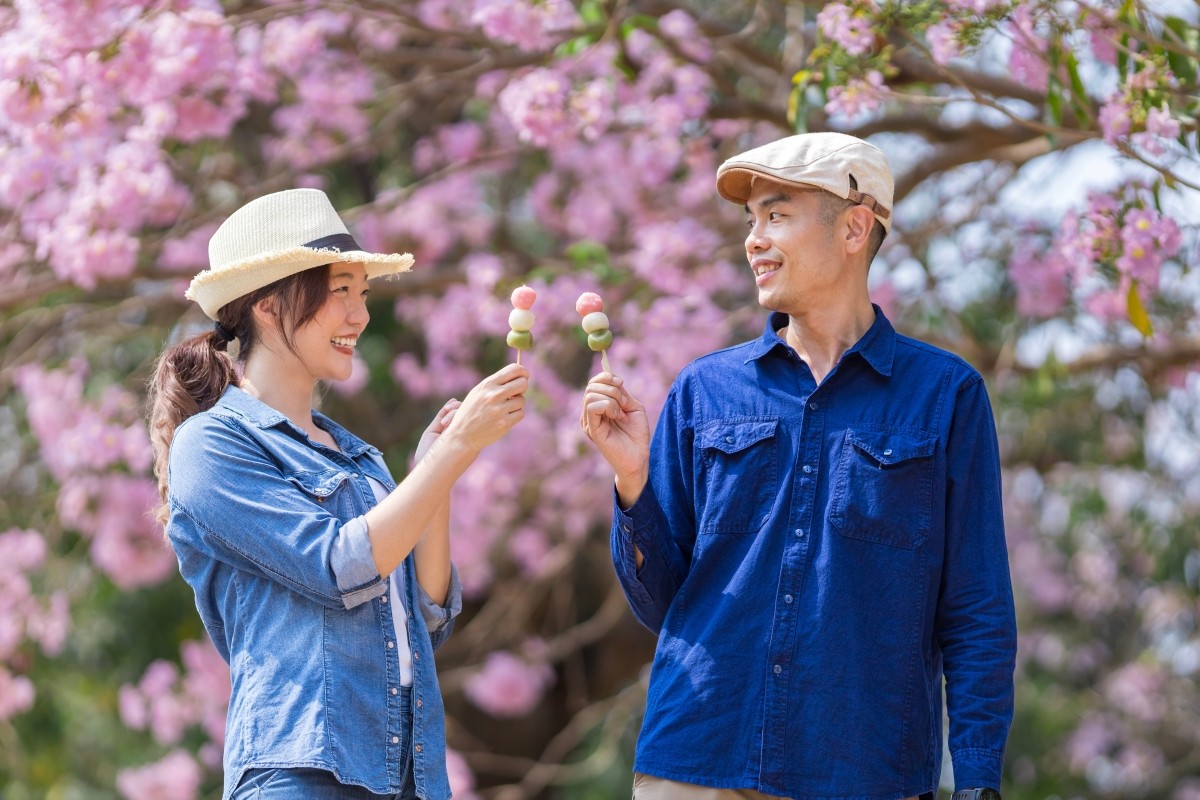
(764, 269)
(339, 341)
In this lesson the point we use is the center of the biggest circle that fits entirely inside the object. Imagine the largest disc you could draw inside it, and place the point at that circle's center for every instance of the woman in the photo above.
(323, 584)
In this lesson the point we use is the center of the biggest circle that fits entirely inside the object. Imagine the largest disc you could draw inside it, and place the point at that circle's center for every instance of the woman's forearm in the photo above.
(432, 556)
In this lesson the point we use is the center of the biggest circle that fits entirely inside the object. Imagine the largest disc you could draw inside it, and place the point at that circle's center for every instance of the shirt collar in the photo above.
(261, 415)
(877, 346)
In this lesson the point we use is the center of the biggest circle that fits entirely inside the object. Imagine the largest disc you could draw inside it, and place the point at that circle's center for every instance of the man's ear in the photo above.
(859, 222)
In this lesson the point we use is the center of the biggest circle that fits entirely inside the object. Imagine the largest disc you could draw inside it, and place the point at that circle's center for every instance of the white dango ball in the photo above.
(595, 322)
(520, 319)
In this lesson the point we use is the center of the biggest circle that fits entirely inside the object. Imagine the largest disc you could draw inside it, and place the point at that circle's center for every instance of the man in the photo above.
(815, 530)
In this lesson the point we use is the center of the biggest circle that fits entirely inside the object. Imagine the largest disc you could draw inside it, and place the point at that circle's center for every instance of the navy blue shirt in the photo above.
(816, 559)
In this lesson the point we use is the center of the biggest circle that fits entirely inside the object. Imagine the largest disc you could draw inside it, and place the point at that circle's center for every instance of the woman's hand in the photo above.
(440, 421)
(491, 409)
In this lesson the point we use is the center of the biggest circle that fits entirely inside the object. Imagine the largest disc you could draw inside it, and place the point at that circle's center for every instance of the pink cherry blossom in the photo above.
(858, 97)
(462, 780)
(1115, 119)
(943, 40)
(1161, 127)
(174, 777)
(507, 686)
(848, 26)
(1027, 60)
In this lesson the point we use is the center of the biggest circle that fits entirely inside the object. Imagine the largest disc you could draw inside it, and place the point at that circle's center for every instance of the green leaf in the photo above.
(1054, 101)
(592, 12)
(1079, 95)
(1184, 66)
(1137, 312)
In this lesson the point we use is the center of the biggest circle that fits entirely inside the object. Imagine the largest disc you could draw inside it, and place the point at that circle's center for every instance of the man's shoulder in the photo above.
(733, 357)
(916, 354)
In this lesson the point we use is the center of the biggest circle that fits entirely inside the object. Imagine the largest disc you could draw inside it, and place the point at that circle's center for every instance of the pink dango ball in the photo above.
(523, 297)
(588, 303)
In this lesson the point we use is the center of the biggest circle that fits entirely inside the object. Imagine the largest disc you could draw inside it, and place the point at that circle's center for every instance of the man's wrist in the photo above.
(984, 793)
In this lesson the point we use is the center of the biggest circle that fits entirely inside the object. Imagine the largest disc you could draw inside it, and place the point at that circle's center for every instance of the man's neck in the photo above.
(822, 336)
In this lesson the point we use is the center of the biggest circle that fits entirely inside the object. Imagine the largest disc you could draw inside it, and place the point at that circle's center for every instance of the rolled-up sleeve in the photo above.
(353, 564)
(439, 619)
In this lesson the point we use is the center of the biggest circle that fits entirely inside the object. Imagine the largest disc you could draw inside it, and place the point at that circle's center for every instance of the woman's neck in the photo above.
(282, 384)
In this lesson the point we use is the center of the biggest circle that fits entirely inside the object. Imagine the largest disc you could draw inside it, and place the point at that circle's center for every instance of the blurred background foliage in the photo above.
(1046, 162)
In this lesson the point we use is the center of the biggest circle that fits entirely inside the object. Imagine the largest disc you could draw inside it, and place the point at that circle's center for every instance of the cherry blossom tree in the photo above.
(1047, 178)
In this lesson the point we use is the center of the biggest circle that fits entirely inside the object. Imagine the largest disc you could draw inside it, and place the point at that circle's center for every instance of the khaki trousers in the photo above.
(648, 787)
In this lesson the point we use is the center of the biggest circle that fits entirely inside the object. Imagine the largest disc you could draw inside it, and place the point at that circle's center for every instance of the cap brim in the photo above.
(734, 183)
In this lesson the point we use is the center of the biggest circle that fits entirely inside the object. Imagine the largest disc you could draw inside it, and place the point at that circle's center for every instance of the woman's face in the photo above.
(325, 344)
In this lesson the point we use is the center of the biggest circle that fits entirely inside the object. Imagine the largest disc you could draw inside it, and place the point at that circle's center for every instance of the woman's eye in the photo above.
(342, 289)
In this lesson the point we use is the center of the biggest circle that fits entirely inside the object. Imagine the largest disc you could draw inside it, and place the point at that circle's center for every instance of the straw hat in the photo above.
(275, 236)
(825, 160)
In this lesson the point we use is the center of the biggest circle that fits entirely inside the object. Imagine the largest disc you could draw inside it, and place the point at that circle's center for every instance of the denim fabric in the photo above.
(816, 559)
(269, 531)
(290, 783)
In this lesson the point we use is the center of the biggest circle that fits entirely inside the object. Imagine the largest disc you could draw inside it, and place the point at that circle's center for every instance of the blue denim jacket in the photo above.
(816, 558)
(269, 531)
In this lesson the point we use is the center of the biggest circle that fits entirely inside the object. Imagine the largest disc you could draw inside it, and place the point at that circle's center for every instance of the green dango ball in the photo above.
(520, 340)
(600, 340)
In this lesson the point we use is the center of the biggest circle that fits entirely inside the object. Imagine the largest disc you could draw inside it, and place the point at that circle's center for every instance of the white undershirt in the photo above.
(399, 615)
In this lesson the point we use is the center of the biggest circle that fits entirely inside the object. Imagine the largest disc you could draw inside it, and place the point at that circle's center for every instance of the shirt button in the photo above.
(777, 669)
(417, 748)
(887, 452)
(391, 645)
(416, 656)
(799, 533)
(420, 702)
(625, 526)
(383, 599)
(394, 691)
(395, 740)
(787, 598)
(729, 439)
(807, 469)
(813, 406)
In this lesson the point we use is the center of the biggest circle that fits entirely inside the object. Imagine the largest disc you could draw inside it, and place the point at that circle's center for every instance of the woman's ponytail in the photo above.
(189, 377)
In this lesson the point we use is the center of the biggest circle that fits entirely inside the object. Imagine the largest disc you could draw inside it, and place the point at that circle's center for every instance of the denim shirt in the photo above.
(816, 558)
(269, 531)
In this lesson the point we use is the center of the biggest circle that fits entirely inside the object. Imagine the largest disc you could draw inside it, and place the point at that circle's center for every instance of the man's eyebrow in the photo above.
(770, 200)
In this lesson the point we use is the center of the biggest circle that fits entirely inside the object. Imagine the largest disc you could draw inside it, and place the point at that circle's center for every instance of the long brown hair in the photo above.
(191, 376)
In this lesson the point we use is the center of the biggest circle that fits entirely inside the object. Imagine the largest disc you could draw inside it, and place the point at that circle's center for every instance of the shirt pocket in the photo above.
(884, 489)
(329, 488)
(740, 463)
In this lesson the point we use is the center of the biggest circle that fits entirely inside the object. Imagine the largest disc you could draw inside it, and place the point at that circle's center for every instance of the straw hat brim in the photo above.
(215, 287)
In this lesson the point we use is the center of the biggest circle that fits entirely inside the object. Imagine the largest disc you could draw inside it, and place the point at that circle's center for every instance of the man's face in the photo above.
(791, 249)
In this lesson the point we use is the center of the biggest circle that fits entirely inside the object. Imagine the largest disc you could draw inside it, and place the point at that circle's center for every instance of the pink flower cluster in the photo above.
(1027, 61)
(176, 776)
(529, 25)
(508, 686)
(99, 452)
(1117, 243)
(848, 25)
(167, 705)
(1124, 116)
(25, 616)
(858, 97)
(83, 122)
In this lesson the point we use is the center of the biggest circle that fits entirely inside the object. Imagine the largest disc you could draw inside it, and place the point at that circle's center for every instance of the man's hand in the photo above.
(617, 424)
